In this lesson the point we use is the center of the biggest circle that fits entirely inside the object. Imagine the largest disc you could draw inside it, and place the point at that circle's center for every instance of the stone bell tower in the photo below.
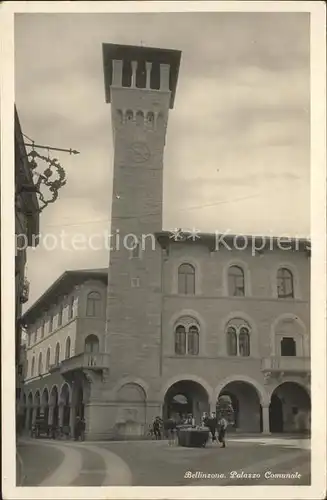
(140, 85)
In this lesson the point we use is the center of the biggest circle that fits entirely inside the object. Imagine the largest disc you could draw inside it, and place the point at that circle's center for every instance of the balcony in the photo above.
(286, 364)
(85, 361)
(54, 367)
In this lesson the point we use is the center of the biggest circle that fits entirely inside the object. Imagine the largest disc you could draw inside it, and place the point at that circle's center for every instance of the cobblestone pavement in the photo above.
(155, 463)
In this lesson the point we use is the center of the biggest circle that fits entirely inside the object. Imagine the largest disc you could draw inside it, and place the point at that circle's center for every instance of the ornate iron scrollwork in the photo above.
(44, 178)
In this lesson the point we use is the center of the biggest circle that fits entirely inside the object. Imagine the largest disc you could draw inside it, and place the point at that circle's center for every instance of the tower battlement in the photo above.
(148, 68)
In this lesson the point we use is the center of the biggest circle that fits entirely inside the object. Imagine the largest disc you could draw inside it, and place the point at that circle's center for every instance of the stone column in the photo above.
(164, 76)
(61, 415)
(34, 414)
(87, 418)
(117, 76)
(212, 407)
(72, 418)
(265, 419)
(27, 418)
(148, 66)
(134, 68)
(50, 417)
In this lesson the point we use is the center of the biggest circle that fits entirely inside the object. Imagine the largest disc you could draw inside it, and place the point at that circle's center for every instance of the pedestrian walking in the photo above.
(82, 432)
(222, 426)
(212, 424)
(156, 426)
(170, 427)
(77, 429)
(204, 419)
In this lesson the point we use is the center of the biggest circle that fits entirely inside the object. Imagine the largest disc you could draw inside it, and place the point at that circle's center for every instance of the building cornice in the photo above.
(63, 285)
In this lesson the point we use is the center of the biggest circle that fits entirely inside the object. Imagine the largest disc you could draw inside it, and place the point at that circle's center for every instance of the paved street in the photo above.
(151, 463)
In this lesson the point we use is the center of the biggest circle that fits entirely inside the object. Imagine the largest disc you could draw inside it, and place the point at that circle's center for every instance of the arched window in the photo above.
(67, 349)
(180, 340)
(40, 367)
(51, 323)
(236, 286)
(231, 341)
(285, 285)
(61, 308)
(193, 340)
(57, 354)
(287, 346)
(139, 118)
(238, 338)
(32, 367)
(93, 304)
(129, 115)
(244, 341)
(47, 360)
(150, 118)
(71, 307)
(42, 328)
(186, 279)
(155, 76)
(92, 344)
(187, 337)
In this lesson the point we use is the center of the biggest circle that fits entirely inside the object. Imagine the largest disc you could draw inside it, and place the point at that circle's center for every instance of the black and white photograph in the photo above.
(167, 250)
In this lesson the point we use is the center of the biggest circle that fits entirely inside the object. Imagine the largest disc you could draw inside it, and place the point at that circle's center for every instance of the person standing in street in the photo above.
(170, 427)
(157, 428)
(222, 426)
(82, 432)
(212, 424)
(77, 428)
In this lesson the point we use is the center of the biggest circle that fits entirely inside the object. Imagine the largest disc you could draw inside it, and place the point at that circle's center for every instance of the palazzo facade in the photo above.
(178, 318)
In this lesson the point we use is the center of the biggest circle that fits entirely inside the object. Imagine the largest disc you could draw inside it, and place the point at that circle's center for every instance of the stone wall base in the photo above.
(118, 420)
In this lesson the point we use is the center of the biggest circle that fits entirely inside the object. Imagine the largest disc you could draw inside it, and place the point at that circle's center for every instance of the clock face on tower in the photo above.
(139, 152)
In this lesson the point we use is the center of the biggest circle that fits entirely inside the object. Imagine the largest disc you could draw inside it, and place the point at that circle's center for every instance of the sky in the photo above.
(237, 155)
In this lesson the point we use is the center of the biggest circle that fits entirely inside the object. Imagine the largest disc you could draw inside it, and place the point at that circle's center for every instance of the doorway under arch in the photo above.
(289, 409)
(45, 404)
(79, 408)
(185, 397)
(37, 404)
(246, 405)
(54, 403)
(65, 402)
(29, 413)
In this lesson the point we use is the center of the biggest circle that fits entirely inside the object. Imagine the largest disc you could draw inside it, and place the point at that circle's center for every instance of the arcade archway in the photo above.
(45, 404)
(54, 404)
(79, 407)
(29, 413)
(37, 404)
(65, 405)
(246, 405)
(290, 408)
(186, 397)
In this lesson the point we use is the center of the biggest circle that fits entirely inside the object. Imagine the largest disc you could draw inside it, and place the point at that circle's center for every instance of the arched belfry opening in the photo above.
(155, 76)
(140, 75)
(127, 74)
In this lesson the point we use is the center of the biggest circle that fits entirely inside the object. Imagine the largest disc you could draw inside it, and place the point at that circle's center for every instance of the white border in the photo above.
(318, 260)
